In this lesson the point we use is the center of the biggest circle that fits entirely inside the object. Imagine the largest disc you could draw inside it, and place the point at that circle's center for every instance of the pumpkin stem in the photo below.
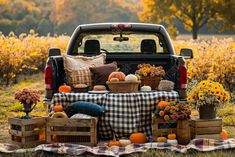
(117, 69)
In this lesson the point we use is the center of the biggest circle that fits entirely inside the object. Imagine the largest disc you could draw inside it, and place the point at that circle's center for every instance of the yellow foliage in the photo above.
(26, 52)
(213, 59)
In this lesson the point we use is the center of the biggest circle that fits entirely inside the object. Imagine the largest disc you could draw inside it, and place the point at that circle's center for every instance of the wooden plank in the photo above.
(48, 134)
(209, 130)
(71, 133)
(34, 120)
(26, 133)
(206, 123)
(211, 136)
(70, 122)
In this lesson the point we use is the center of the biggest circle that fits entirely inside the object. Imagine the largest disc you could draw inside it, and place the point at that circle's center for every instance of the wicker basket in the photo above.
(123, 86)
(153, 82)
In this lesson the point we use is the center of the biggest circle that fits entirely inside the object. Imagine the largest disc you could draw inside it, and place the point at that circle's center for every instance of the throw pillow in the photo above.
(101, 73)
(83, 107)
(80, 76)
(77, 68)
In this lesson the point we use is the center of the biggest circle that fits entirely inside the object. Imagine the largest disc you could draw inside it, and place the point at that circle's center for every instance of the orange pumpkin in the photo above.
(138, 138)
(58, 108)
(65, 89)
(171, 136)
(166, 118)
(114, 143)
(117, 74)
(224, 135)
(162, 104)
(161, 113)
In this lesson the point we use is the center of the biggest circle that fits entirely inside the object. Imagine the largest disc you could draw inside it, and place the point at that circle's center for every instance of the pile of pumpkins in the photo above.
(117, 76)
(140, 138)
(120, 76)
(171, 139)
(137, 138)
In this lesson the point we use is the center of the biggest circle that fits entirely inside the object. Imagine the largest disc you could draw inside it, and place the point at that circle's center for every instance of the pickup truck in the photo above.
(129, 44)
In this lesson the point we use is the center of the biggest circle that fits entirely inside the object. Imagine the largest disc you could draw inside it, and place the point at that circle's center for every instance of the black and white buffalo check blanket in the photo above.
(125, 112)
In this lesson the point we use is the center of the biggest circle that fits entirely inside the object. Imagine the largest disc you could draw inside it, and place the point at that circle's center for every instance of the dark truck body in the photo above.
(127, 62)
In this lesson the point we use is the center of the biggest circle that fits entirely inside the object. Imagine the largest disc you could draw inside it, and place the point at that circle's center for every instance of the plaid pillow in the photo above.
(80, 76)
(77, 68)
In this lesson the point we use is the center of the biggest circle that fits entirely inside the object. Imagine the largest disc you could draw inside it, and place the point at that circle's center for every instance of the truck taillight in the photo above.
(183, 81)
(48, 77)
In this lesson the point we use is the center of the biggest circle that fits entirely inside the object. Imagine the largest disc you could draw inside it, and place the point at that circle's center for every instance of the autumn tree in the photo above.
(67, 16)
(194, 14)
(18, 15)
(226, 15)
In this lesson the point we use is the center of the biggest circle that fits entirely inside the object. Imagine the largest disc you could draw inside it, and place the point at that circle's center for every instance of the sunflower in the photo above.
(201, 96)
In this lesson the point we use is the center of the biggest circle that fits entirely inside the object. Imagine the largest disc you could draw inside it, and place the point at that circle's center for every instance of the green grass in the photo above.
(9, 107)
(149, 153)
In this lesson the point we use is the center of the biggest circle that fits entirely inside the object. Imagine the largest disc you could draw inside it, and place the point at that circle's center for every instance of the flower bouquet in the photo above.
(173, 111)
(178, 112)
(150, 75)
(206, 97)
(28, 97)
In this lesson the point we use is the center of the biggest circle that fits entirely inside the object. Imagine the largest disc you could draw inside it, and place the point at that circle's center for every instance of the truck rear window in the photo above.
(121, 43)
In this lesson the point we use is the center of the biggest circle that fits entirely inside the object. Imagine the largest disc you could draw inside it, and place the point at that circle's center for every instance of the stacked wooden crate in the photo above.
(160, 127)
(80, 131)
(206, 128)
(27, 132)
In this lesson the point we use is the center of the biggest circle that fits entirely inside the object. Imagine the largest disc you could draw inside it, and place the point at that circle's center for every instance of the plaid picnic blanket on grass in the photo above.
(125, 112)
(74, 149)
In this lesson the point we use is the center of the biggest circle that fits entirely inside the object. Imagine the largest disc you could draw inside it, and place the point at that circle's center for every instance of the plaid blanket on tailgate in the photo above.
(125, 112)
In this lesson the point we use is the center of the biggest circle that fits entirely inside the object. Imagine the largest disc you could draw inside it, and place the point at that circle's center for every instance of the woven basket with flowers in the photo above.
(150, 75)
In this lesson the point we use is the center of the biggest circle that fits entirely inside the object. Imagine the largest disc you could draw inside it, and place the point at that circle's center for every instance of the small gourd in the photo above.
(58, 108)
(171, 136)
(114, 143)
(65, 89)
(224, 134)
(172, 141)
(131, 78)
(124, 142)
(161, 139)
(139, 138)
(145, 88)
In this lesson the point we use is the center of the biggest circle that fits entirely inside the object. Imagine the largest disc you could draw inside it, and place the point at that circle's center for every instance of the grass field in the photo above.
(10, 107)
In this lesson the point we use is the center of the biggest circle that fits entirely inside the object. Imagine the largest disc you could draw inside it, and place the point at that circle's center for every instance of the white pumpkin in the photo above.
(131, 78)
(125, 142)
(145, 88)
(172, 141)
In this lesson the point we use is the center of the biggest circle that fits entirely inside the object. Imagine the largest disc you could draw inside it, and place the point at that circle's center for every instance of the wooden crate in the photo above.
(27, 132)
(79, 131)
(160, 127)
(206, 128)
